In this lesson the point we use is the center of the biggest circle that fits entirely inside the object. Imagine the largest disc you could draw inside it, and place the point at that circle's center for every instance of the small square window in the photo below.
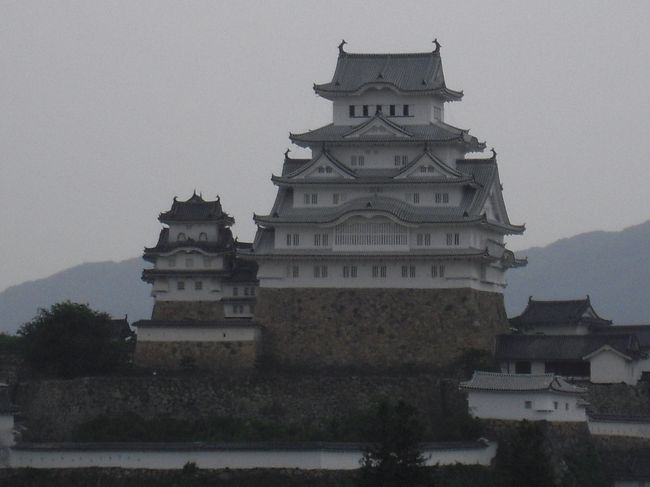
(365, 110)
(317, 240)
(362, 160)
(528, 404)
(445, 197)
(416, 198)
(405, 110)
(321, 169)
(335, 198)
(307, 199)
(198, 285)
(180, 285)
(328, 169)
(296, 239)
(398, 160)
(295, 271)
(378, 109)
(352, 111)
(392, 110)
(316, 271)
(405, 271)
(412, 271)
(326, 240)
(314, 198)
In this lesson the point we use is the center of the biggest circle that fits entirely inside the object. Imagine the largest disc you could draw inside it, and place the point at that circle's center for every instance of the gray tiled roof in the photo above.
(196, 209)
(642, 333)
(560, 347)
(557, 313)
(483, 173)
(496, 381)
(410, 73)
(225, 244)
(431, 133)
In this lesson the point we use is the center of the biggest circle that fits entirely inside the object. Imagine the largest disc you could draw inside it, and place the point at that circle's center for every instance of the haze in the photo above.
(109, 109)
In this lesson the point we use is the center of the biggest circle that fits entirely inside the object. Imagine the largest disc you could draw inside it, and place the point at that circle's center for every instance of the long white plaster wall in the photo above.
(511, 406)
(613, 427)
(198, 334)
(420, 107)
(458, 274)
(306, 459)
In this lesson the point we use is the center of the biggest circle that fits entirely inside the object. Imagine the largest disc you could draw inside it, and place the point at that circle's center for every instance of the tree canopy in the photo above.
(394, 458)
(71, 340)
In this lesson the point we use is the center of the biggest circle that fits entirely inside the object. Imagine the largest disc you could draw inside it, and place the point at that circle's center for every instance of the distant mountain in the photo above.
(113, 287)
(612, 267)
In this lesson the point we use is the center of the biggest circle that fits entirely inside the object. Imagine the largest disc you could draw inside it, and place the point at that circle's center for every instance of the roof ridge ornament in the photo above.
(494, 153)
(438, 45)
(341, 51)
(286, 154)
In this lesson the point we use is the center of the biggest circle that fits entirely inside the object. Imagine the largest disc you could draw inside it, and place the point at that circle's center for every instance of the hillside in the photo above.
(612, 267)
(113, 287)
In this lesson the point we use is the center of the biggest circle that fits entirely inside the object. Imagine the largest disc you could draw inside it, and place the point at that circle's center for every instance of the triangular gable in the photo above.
(325, 160)
(377, 126)
(606, 348)
(434, 167)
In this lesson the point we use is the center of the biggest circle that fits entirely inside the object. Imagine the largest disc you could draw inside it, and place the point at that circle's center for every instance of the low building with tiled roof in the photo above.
(387, 203)
(198, 282)
(515, 397)
(600, 358)
(559, 317)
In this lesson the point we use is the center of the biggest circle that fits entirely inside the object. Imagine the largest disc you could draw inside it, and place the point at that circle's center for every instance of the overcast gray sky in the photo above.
(108, 109)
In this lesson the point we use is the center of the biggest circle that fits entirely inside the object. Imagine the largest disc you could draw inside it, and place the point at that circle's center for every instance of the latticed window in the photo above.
(370, 234)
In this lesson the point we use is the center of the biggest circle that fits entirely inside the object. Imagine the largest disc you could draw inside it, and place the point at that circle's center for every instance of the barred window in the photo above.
(370, 233)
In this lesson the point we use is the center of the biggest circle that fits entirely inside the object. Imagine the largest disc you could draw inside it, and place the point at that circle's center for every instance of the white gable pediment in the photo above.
(427, 165)
(324, 166)
(377, 128)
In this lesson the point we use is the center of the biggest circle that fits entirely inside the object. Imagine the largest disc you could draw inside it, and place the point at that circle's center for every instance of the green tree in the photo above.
(523, 461)
(394, 458)
(71, 340)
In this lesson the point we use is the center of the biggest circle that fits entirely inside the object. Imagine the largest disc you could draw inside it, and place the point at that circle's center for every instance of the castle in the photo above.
(383, 249)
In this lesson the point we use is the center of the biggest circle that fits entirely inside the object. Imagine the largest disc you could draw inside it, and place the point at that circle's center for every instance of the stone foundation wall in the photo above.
(378, 328)
(187, 310)
(53, 410)
(199, 355)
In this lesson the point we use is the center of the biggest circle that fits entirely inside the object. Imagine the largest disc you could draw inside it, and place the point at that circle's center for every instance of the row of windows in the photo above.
(370, 234)
(181, 237)
(189, 262)
(311, 198)
(556, 405)
(293, 239)
(248, 291)
(377, 271)
(357, 160)
(325, 169)
(238, 309)
(393, 110)
(180, 285)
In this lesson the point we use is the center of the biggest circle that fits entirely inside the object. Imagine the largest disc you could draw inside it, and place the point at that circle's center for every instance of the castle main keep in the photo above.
(385, 247)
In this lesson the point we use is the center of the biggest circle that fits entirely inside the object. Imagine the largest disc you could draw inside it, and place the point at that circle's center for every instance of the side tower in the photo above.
(204, 294)
(385, 247)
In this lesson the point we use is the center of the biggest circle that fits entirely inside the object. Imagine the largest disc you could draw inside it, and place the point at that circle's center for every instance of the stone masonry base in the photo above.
(199, 355)
(376, 328)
